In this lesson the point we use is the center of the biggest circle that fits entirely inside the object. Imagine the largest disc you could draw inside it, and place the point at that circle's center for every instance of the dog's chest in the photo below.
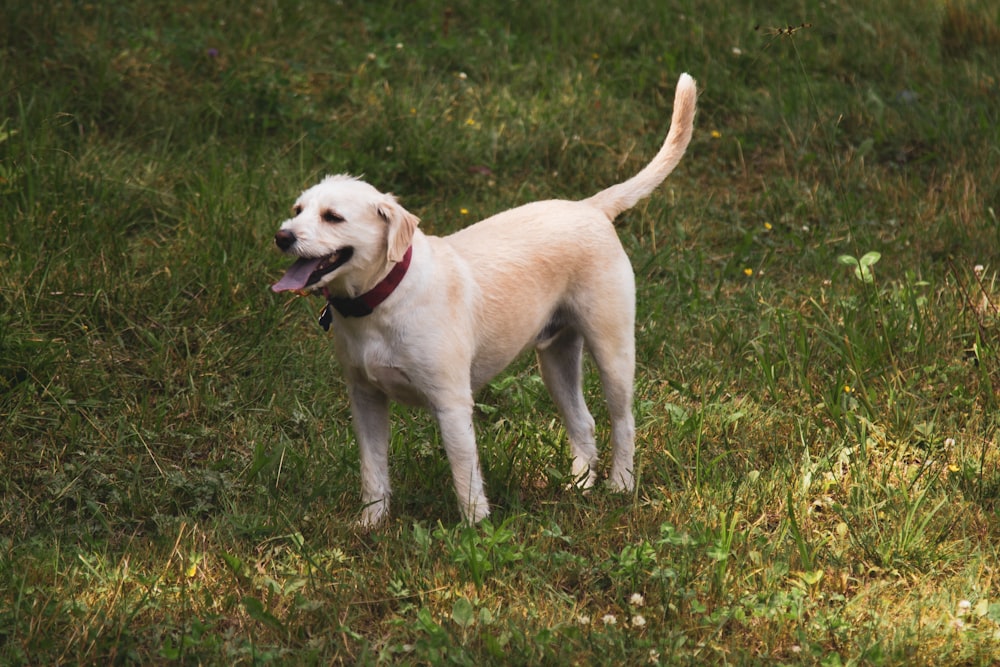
(396, 384)
(373, 361)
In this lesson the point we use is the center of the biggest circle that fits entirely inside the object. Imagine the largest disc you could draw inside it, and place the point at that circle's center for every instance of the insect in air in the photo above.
(787, 31)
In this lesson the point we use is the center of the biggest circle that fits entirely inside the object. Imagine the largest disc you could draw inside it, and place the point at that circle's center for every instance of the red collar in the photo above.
(360, 306)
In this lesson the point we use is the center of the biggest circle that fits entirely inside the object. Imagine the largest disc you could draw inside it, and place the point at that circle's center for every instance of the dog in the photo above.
(427, 321)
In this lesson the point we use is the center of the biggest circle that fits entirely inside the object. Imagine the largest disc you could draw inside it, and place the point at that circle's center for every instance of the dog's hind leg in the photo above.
(616, 361)
(370, 411)
(561, 363)
(609, 333)
(617, 377)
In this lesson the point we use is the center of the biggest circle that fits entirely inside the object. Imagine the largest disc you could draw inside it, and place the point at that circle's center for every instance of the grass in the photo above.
(817, 424)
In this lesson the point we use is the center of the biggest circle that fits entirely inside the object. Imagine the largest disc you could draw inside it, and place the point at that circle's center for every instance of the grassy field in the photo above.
(818, 335)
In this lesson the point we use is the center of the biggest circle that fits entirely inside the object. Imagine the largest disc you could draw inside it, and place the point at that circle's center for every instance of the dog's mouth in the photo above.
(308, 271)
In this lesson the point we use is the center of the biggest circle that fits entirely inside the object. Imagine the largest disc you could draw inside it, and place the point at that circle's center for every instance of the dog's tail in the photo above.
(624, 196)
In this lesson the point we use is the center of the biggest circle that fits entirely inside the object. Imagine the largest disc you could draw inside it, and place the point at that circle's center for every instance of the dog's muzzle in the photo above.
(306, 271)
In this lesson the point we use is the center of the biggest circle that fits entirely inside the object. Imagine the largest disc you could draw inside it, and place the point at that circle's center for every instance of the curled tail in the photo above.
(624, 196)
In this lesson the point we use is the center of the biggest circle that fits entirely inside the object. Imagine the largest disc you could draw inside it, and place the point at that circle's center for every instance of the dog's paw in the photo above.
(475, 512)
(372, 515)
(621, 482)
(584, 476)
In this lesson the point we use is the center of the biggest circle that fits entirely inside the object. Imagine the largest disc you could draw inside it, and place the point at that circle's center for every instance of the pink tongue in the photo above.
(297, 276)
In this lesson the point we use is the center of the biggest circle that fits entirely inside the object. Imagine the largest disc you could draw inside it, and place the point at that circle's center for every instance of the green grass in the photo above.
(819, 477)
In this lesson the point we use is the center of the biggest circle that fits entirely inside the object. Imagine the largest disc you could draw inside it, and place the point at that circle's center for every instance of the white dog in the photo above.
(428, 321)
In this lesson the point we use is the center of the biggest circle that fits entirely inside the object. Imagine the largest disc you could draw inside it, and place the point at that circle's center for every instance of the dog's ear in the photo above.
(402, 225)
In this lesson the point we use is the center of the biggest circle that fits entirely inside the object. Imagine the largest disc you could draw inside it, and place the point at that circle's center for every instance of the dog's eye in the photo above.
(330, 216)
(297, 209)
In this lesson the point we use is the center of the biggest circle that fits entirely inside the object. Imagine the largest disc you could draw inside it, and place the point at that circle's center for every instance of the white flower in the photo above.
(949, 442)
(637, 600)
(609, 619)
(654, 656)
(583, 619)
(638, 621)
(963, 607)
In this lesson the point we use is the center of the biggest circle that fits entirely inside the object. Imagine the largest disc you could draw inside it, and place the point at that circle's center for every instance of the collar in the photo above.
(363, 305)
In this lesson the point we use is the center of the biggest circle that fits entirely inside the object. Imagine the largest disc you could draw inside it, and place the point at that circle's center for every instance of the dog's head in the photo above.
(345, 233)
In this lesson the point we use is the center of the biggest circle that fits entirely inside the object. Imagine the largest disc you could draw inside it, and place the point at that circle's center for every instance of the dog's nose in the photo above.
(284, 239)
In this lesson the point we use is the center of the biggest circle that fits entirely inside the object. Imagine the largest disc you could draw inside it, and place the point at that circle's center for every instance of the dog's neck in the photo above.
(360, 306)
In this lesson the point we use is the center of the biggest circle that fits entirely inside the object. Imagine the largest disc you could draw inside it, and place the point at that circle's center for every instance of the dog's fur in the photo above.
(550, 275)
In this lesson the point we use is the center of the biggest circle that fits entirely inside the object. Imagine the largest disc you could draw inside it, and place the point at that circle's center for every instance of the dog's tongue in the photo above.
(297, 276)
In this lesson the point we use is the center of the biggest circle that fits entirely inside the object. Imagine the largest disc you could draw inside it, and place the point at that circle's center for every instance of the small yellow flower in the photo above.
(953, 468)
(471, 122)
(847, 389)
(716, 134)
(748, 272)
(463, 211)
(767, 226)
(413, 111)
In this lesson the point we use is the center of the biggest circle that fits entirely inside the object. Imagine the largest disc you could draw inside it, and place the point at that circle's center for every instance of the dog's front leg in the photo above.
(370, 413)
(459, 438)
